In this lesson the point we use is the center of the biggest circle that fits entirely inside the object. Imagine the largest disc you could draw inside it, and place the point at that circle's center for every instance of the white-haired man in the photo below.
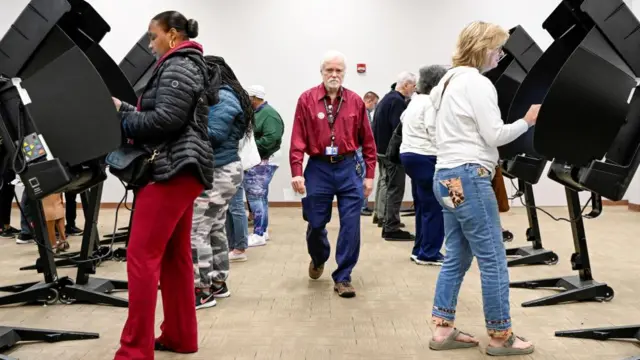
(330, 124)
(392, 176)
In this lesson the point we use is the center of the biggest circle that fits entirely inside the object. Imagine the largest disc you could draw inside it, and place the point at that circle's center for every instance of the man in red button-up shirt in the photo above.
(330, 124)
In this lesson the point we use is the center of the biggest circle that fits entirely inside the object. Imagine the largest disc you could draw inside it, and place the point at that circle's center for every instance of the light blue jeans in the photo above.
(472, 228)
(256, 184)
(237, 225)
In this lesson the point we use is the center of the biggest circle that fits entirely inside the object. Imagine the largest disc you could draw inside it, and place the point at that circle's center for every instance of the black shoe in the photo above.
(366, 212)
(375, 219)
(507, 236)
(9, 233)
(398, 235)
(160, 347)
(24, 238)
(220, 291)
(73, 231)
(401, 225)
(204, 299)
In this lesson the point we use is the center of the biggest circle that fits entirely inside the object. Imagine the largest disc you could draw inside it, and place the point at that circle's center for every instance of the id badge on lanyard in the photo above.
(332, 150)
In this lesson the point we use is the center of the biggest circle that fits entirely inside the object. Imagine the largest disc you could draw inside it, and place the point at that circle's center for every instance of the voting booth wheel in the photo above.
(66, 299)
(609, 294)
(53, 295)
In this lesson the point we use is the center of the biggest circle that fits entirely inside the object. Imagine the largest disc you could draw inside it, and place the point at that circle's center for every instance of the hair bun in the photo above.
(192, 29)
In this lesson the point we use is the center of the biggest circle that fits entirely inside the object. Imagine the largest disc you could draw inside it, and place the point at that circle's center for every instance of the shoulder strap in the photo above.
(446, 83)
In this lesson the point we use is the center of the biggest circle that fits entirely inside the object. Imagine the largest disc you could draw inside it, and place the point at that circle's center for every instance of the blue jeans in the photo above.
(472, 228)
(256, 184)
(363, 174)
(324, 181)
(237, 223)
(429, 221)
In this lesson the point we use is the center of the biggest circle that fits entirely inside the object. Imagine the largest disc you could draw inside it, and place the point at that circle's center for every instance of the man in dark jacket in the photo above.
(390, 189)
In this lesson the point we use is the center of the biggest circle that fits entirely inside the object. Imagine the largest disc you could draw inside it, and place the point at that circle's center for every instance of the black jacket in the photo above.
(165, 117)
(386, 119)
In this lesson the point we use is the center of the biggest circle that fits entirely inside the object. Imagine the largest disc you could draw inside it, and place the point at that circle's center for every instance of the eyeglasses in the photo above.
(501, 53)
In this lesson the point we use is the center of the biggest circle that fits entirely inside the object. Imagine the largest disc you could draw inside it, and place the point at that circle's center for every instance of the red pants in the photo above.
(160, 250)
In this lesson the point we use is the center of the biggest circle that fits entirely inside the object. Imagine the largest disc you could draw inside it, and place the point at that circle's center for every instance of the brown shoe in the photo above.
(315, 272)
(344, 289)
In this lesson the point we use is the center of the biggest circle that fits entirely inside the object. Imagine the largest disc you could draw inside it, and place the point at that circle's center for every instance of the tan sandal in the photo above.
(452, 342)
(62, 246)
(508, 350)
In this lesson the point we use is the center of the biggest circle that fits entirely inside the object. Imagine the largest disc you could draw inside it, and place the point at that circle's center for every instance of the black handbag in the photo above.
(393, 149)
(132, 164)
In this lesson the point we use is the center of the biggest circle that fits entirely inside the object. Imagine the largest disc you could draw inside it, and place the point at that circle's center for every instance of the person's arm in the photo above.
(172, 104)
(298, 140)
(484, 102)
(429, 118)
(365, 134)
(272, 129)
(126, 107)
(221, 116)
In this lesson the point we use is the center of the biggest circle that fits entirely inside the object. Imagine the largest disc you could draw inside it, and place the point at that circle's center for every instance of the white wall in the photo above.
(279, 44)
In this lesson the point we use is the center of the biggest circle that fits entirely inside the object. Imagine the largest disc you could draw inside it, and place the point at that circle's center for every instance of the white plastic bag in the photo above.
(249, 155)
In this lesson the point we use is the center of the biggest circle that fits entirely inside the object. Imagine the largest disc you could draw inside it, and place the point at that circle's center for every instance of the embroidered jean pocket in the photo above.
(482, 172)
(455, 192)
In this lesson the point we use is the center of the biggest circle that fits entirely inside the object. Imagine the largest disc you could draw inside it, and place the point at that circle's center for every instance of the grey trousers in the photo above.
(209, 246)
(395, 179)
(381, 191)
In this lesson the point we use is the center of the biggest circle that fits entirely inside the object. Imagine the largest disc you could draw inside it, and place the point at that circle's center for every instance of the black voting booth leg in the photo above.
(605, 333)
(617, 332)
(86, 288)
(534, 254)
(10, 336)
(575, 288)
(71, 259)
(35, 292)
(120, 254)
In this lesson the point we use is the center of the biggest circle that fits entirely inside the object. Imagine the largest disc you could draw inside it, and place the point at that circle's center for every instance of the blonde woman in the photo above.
(468, 131)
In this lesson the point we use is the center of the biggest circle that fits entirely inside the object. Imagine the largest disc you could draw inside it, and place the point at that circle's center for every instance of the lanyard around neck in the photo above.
(331, 117)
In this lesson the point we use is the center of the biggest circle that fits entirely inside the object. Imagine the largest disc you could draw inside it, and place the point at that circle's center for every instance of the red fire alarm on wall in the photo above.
(361, 68)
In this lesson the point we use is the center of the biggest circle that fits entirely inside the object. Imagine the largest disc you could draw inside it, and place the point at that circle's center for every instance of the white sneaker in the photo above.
(266, 236)
(237, 257)
(257, 240)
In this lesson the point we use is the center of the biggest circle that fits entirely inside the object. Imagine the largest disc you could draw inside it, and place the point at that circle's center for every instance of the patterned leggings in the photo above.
(209, 247)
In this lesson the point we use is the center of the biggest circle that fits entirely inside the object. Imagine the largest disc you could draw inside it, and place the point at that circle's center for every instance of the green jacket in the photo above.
(268, 131)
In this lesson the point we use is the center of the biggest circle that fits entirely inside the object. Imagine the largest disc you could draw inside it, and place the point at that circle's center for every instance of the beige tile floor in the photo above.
(276, 312)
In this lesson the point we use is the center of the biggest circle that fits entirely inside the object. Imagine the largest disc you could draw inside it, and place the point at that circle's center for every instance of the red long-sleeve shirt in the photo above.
(311, 133)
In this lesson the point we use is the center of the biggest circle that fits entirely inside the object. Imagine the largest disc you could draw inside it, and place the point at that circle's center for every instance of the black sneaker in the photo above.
(204, 299)
(73, 231)
(438, 261)
(398, 235)
(366, 212)
(220, 291)
(9, 233)
(24, 239)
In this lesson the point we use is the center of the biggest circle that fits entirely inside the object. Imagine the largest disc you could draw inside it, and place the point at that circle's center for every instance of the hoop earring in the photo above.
(172, 44)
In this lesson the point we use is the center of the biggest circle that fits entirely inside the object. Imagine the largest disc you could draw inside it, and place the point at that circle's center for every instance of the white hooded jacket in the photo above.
(468, 127)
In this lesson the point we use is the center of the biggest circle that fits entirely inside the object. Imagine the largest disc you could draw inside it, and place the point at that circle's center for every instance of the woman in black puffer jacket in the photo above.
(159, 245)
